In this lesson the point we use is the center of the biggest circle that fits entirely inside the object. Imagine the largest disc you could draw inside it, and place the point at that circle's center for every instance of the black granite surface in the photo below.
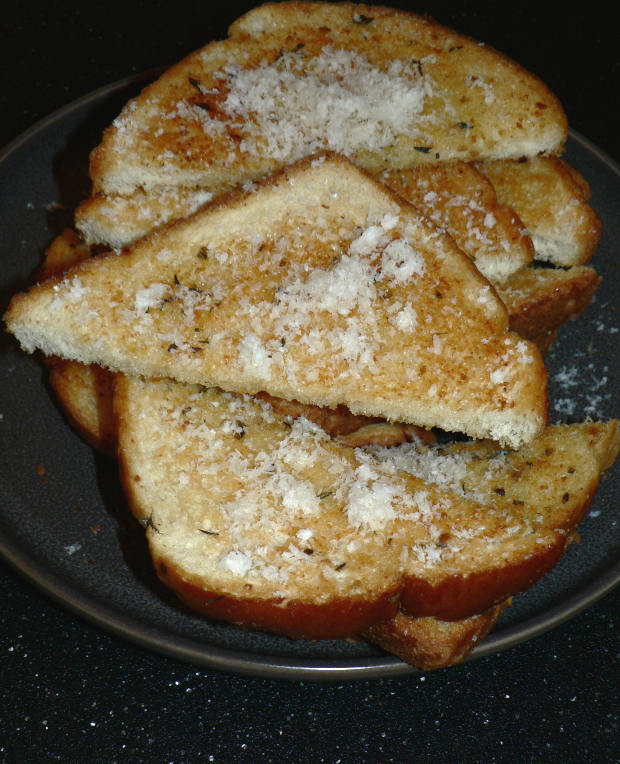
(71, 692)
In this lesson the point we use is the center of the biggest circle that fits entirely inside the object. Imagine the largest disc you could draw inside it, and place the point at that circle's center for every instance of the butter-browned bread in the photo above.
(268, 522)
(561, 227)
(430, 643)
(459, 199)
(294, 78)
(540, 300)
(551, 198)
(85, 396)
(455, 196)
(320, 286)
(117, 221)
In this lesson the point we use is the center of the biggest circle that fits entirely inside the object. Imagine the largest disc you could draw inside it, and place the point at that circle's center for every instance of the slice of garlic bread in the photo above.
(320, 286)
(430, 643)
(460, 199)
(551, 198)
(266, 521)
(386, 88)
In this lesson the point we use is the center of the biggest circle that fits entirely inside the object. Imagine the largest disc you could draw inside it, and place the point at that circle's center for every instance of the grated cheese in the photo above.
(336, 100)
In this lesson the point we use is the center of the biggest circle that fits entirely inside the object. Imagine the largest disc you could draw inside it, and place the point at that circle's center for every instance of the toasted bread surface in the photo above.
(117, 221)
(430, 643)
(540, 300)
(459, 199)
(321, 286)
(85, 395)
(551, 198)
(455, 196)
(294, 78)
(539, 487)
(248, 512)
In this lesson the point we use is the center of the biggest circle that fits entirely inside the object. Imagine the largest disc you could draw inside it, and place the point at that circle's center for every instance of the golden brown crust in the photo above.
(604, 442)
(430, 643)
(338, 618)
(242, 327)
(550, 197)
(460, 199)
(461, 546)
(540, 300)
(457, 597)
(85, 395)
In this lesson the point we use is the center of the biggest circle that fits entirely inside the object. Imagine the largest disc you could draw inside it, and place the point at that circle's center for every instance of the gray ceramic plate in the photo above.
(63, 522)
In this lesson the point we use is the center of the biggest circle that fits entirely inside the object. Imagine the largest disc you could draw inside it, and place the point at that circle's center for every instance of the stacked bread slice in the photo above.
(323, 234)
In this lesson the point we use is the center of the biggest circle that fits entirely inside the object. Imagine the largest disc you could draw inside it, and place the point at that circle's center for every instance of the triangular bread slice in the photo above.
(541, 300)
(384, 87)
(551, 198)
(321, 286)
(462, 201)
(429, 643)
(544, 211)
(455, 196)
(266, 521)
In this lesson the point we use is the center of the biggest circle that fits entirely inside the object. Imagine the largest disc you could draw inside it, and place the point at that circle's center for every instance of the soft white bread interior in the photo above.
(320, 286)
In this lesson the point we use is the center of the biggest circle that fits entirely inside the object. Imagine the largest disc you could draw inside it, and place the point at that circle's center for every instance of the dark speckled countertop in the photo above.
(72, 692)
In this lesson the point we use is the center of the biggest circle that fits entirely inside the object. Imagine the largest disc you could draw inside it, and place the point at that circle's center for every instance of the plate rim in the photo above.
(154, 639)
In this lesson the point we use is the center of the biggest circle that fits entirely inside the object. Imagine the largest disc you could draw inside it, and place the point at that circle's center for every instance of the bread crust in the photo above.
(538, 302)
(338, 618)
(551, 198)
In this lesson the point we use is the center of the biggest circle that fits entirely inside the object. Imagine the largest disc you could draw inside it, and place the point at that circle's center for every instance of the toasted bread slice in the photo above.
(118, 221)
(430, 643)
(535, 490)
(66, 250)
(84, 393)
(384, 87)
(268, 522)
(551, 198)
(459, 199)
(562, 229)
(455, 196)
(321, 286)
(540, 300)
